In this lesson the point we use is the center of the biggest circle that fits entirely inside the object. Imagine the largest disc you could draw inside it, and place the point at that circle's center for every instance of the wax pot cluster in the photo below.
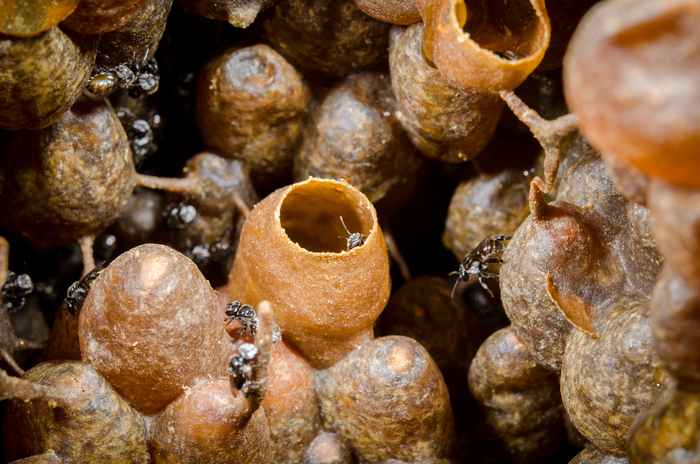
(349, 231)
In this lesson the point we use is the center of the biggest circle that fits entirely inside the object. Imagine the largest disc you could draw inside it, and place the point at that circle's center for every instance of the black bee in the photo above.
(140, 135)
(276, 333)
(245, 314)
(78, 292)
(478, 260)
(354, 240)
(180, 216)
(16, 287)
(147, 80)
(105, 245)
(136, 79)
(511, 56)
(216, 251)
(239, 369)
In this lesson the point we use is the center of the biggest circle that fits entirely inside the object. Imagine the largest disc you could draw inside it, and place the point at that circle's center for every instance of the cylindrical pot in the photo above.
(325, 298)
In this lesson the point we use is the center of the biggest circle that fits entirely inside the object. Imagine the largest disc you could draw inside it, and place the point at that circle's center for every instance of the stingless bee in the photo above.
(511, 55)
(78, 292)
(477, 261)
(239, 369)
(180, 216)
(136, 78)
(139, 133)
(245, 314)
(201, 254)
(16, 287)
(354, 240)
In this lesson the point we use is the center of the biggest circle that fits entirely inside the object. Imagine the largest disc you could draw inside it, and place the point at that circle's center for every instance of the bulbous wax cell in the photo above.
(638, 251)
(240, 13)
(355, 133)
(594, 455)
(142, 214)
(446, 123)
(482, 206)
(251, 105)
(325, 298)
(641, 114)
(520, 398)
(152, 326)
(667, 433)
(202, 426)
(558, 270)
(220, 180)
(425, 311)
(564, 17)
(676, 328)
(629, 181)
(388, 400)
(326, 37)
(291, 404)
(100, 16)
(401, 12)
(584, 181)
(676, 213)
(329, 448)
(41, 77)
(485, 46)
(142, 33)
(24, 19)
(68, 180)
(90, 421)
(606, 383)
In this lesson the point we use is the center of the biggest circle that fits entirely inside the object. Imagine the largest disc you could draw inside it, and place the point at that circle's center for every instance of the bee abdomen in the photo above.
(102, 84)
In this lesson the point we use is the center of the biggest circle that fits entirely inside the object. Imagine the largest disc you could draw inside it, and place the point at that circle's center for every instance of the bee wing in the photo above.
(237, 381)
(481, 249)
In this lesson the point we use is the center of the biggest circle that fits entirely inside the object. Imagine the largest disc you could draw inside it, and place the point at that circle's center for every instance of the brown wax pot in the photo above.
(68, 180)
(325, 298)
(122, 331)
(519, 398)
(445, 122)
(329, 38)
(390, 11)
(462, 40)
(100, 16)
(668, 432)
(240, 13)
(631, 75)
(142, 33)
(27, 19)
(250, 105)
(41, 77)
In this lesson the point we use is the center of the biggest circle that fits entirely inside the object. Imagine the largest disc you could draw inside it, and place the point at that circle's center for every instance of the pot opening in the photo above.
(507, 28)
(310, 215)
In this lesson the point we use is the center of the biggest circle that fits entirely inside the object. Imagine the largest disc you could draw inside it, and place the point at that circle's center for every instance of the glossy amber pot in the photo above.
(325, 298)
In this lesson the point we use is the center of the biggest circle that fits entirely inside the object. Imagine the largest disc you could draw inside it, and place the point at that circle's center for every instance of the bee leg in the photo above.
(493, 261)
(483, 284)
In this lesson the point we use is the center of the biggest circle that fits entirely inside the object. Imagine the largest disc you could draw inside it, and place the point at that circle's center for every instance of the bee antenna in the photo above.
(106, 57)
(455, 287)
(223, 296)
(346, 227)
